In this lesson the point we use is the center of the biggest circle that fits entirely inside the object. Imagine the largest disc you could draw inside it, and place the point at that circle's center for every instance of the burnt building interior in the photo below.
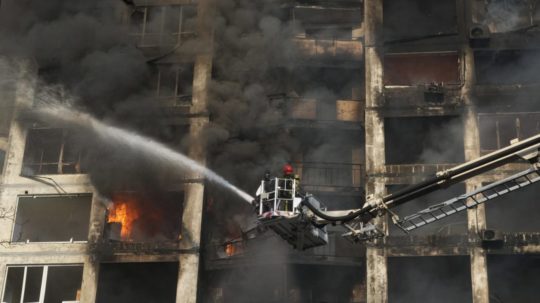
(362, 97)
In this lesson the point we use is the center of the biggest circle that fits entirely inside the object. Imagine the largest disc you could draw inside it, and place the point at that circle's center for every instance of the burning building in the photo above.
(363, 97)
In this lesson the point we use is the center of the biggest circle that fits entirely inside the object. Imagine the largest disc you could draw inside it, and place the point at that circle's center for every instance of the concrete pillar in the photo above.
(24, 72)
(476, 218)
(89, 280)
(376, 262)
(194, 193)
(188, 276)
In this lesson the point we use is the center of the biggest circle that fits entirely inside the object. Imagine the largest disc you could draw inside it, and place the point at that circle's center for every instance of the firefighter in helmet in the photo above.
(291, 181)
(288, 171)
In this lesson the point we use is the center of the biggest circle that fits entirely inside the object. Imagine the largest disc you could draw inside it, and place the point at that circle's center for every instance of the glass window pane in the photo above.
(63, 284)
(33, 220)
(33, 284)
(14, 281)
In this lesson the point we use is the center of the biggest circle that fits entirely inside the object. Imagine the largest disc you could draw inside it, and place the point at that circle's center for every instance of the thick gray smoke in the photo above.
(253, 56)
(78, 44)
(80, 47)
(507, 16)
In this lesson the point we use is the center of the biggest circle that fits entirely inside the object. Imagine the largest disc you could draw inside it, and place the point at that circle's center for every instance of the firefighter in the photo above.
(290, 179)
(288, 171)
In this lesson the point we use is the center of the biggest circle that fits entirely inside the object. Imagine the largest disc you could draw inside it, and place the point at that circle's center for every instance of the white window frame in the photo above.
(43, 287)
(49, 195)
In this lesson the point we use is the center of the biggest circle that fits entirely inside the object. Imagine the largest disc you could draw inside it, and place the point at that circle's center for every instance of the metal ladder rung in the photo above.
(478, 196)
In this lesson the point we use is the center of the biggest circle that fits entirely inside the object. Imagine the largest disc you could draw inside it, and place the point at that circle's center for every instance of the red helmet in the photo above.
(287, 169)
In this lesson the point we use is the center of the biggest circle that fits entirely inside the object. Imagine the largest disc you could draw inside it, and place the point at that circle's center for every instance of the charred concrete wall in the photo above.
(363, 97)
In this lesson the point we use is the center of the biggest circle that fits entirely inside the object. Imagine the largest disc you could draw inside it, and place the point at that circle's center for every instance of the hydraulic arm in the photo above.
(300, 219)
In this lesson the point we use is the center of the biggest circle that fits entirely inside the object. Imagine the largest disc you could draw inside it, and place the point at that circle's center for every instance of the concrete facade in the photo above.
(368, 165)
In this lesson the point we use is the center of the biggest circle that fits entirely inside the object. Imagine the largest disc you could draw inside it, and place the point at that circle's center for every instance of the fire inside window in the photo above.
(51, 151)
(47, 284)
(144, 217)
(497, 130)
(163, 25)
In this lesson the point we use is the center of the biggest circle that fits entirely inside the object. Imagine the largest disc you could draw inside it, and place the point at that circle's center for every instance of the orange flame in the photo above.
(233, 249)
(230, 250)
(121, 212)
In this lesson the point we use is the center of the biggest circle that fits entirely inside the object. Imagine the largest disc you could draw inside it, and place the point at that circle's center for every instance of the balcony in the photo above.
(416, 169)
(342, 50)
(346, 114)
(411, 69)
(330, 176)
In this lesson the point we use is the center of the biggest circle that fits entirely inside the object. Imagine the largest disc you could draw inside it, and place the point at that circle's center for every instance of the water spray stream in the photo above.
(148, 147)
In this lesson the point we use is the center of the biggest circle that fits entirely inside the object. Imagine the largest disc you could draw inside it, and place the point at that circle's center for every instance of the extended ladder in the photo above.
(472, 199)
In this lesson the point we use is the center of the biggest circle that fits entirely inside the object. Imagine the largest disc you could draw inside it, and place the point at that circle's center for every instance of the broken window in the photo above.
(423, 140)
(51, 151)
(497, 130)
(507, 66)
(412, 19)
(144, 217)
(421, 68)
(511, 15)
(34, 215)
(163, 25)
(174, 82)
(137, 282)
(517, 211)
(47, 284)
(451, 225)
(513, 278)
(429, 279)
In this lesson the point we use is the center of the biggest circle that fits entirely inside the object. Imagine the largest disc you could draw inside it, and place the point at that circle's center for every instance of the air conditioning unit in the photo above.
(479, 36)
(492, 238)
